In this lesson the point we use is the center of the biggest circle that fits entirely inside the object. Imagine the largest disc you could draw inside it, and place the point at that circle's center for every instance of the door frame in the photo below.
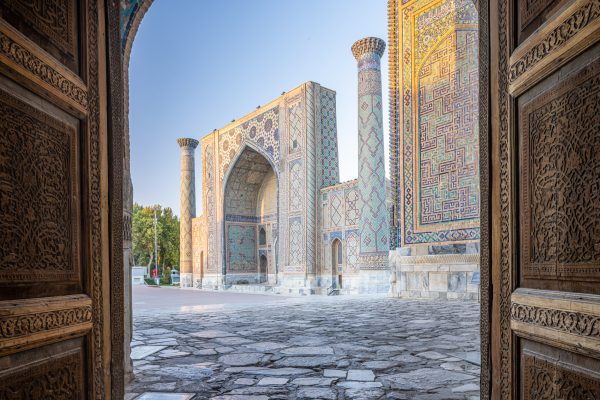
(116, 136)
(118, 60)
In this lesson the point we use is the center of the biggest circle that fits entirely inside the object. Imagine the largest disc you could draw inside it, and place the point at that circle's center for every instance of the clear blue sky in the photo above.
(197, 64)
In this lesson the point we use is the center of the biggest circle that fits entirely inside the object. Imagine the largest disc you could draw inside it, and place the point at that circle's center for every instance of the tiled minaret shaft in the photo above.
(373, 223)
(187, 195)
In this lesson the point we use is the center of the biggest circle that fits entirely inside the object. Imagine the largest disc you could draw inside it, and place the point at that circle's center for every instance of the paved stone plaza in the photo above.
(274, 347)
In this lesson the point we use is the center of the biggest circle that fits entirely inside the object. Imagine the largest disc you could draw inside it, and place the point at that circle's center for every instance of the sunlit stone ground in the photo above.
(253, 347)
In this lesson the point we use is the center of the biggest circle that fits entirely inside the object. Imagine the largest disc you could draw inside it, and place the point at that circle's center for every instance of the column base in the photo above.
(442, 276)
(197, 283)
(186, 280)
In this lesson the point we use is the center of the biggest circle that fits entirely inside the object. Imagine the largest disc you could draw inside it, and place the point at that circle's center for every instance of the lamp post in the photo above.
(155, 222)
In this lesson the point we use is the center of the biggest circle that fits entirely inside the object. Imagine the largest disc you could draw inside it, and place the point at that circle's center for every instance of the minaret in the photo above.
(187, 194)
(373, 223)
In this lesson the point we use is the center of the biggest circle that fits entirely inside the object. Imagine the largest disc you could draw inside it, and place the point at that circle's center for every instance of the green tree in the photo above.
(143, 236)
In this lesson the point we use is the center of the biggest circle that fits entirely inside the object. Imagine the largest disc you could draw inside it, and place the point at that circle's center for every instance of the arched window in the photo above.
(262, 237)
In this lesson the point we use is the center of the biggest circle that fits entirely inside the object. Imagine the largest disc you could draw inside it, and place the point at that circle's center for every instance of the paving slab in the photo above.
(349, 348)
(272, 381)
(334, 373)
(140, 352)
(365, 375)
(316, 393)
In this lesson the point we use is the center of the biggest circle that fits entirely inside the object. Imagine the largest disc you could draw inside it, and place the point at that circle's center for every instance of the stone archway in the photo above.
(129, 26)
(250, 209)
(132, 13)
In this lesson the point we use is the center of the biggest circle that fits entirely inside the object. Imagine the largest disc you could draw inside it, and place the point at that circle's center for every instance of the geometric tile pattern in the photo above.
(262, 131)
(329, 149)
(229, 143)
(340, 221)
(352, 250)
(296, 241)
(244, 183)
(296, 117)
(211, 216)
(126, 14)
(187, 198)
(437, 150)
(352, 212)
(336, 235)
(374, 226)
(310, 195)
(250, 189)
(296, 194)
(241, 248)
(286, 137)
(448, 186)
(336, 209)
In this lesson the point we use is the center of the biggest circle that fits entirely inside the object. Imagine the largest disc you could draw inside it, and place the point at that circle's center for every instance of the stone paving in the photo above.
(321, 348)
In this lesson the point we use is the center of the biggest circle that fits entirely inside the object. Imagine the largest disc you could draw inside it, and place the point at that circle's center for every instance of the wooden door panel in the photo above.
(52, 372)
(40, 220)
(530, 14)
(555, 309)
(570, 321)
(559, 146)
(548, 373)
(573, 27)
(546, 171)
(54, 25)
(54, 224)
(36, 69)
(29, 323)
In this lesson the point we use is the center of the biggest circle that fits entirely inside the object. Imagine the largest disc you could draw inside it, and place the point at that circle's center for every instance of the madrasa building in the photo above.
(275, 213)
(276, 216)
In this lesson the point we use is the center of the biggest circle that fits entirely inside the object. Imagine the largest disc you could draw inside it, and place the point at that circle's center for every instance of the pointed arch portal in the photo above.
(251, 211)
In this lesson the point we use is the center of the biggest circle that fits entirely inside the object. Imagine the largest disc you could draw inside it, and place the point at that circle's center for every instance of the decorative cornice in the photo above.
(339, 186)
(23, 325)
(575, 323)
(394, 117)
(187, 142)
(36, 65)
(374, 261)
(368, 45)
(29, 322)
(440, 259)
(587, 13)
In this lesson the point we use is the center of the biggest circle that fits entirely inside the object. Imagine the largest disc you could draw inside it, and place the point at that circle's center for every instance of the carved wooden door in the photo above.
(54, 194)
(545, 199)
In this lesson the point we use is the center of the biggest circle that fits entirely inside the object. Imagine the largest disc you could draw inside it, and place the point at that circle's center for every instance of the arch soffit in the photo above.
(243, 147)
(130, 24)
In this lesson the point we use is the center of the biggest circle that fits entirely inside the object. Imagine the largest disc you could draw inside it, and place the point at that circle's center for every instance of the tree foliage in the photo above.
(143, 236)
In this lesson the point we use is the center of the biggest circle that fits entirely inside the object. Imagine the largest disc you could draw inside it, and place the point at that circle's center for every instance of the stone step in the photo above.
(250, 288)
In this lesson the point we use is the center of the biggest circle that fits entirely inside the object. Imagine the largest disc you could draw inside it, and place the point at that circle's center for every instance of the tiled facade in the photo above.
(339, 210)
(270, 191)
(434, 151)
(260, 191)
(434, 162)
